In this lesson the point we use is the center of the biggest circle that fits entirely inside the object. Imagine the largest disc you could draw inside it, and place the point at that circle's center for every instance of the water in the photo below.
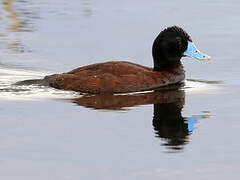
(52, 134)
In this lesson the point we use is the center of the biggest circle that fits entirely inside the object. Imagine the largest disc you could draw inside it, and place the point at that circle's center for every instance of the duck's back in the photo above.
(115, 77)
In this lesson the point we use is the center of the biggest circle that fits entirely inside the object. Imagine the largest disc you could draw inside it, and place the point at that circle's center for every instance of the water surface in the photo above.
(50, 134)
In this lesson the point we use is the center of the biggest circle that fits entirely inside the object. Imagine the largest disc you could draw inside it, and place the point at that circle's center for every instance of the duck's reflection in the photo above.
(168, 122)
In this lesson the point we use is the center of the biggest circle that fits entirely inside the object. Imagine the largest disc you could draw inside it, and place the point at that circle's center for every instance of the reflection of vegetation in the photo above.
(19, 22)
(87, 11)
(8, 6)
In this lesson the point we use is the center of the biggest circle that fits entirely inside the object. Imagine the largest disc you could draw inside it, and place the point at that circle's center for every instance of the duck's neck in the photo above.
(165, 65)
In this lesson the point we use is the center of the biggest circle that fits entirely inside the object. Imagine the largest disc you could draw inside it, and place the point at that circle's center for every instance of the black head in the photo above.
(168, 47)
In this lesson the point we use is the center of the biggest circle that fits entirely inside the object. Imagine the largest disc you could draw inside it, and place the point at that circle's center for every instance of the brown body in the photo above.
(115, 77)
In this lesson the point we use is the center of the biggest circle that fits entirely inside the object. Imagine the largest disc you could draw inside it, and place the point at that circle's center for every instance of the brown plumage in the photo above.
(115, 77)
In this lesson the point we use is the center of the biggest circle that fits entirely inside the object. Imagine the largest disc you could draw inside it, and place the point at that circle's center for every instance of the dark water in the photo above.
(188, 133)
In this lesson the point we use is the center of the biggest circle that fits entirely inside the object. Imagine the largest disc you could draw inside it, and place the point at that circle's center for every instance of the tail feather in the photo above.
(40, 82)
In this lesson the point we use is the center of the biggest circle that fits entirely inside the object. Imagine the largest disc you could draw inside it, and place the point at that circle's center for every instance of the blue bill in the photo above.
(192, 51)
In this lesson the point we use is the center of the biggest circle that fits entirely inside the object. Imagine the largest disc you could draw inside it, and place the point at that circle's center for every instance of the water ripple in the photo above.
(9, 91)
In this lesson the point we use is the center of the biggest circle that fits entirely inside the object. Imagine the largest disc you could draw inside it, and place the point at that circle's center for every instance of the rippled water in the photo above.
(10, 91)
(51, 134)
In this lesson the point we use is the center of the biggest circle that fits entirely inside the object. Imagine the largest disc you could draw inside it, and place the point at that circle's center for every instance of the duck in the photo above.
(168, 48)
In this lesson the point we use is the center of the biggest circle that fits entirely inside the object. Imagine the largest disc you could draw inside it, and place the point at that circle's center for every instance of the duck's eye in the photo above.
(196, 51)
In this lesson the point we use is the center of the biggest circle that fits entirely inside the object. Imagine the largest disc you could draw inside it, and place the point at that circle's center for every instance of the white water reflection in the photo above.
(9, 91)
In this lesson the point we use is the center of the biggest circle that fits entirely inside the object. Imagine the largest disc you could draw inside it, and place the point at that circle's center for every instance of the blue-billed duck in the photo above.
(122, 77)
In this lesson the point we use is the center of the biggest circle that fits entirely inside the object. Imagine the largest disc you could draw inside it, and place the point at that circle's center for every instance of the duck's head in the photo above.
(171, 45)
